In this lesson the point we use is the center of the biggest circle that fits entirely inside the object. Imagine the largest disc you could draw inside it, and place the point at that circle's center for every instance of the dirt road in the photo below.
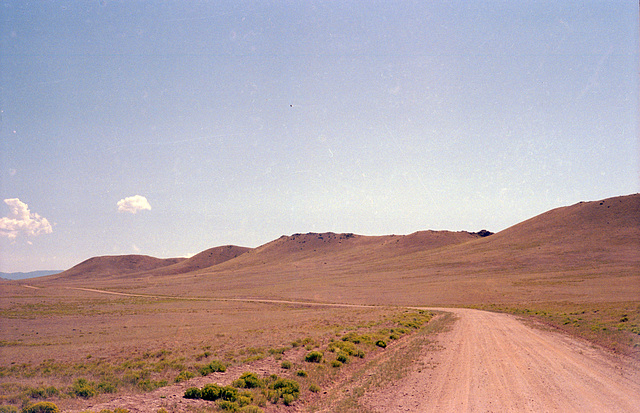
(492, 362)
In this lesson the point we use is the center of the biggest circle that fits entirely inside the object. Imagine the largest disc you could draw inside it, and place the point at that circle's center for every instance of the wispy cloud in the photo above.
(21, 221)
(133, 204)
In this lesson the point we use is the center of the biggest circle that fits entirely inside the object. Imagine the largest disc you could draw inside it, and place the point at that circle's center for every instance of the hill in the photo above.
(584, 252)
(103, 266)
(205, 259)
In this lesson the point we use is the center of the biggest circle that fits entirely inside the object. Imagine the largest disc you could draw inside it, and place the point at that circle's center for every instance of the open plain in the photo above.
(141, 329)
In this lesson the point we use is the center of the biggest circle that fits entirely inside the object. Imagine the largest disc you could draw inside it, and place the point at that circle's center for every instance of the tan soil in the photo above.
(492, 362)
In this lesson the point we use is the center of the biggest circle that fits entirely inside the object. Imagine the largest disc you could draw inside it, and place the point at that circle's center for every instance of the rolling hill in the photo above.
(110, 265)
(587, 251)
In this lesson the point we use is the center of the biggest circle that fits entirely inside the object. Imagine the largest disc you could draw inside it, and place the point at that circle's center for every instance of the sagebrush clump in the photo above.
(273, 389)
(313, 357)
(41, 407)
(213, 367)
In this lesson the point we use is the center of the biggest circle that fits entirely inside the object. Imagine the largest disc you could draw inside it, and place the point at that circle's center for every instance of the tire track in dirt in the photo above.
(493, 362)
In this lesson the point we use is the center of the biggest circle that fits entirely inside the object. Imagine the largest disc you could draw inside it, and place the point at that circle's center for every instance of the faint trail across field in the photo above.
(492, 362)
(241, 300)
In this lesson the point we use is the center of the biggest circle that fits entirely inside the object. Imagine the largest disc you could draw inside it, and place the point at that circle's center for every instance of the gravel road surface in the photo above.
(492, 362)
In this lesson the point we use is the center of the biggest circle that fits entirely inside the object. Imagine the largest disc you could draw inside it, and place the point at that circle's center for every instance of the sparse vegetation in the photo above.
(214, 366)
(286, 365)
(184, 376)
(612, 325)
(150, 369)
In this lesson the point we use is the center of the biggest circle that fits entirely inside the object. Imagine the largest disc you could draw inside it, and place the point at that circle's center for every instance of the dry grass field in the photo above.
(575, 268)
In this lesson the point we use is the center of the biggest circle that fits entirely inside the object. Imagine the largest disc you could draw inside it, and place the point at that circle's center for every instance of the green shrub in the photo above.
(381, 343)
(228, 405)
(193, 393)
(184, 376)
(244, 399)
(314, 388)
(42, 392)
(214, 366)
(211, 391)
(279, 350)
(301, 373)
(286, 365)
(229, 393)
(288, 399)
(41, 407)
(8, 409)
(347, 347)
(356, 338)
(286, 386)
(83, 388)
(248, 381)
(344, 346)
(342, 358)
(336, 363)
(313, 357)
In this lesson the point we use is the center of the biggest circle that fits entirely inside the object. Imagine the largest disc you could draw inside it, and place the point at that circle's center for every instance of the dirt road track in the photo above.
(492, 362)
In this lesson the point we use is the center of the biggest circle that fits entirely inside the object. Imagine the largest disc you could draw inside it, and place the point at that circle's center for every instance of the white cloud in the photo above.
(133, 204)
(22, 221)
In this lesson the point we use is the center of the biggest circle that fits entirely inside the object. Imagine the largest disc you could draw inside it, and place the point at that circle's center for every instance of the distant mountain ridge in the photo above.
(25, 275)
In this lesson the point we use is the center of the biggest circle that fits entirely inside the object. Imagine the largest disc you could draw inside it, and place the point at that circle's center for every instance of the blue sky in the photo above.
(169, 127)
